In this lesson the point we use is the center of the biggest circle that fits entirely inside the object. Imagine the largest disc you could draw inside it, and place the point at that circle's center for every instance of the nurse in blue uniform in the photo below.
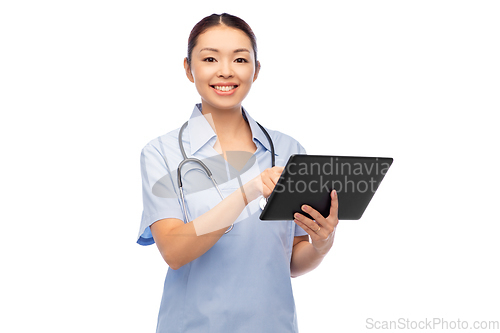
(228, 271)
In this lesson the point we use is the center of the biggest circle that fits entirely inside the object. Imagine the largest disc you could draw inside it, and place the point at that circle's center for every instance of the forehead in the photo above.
(223, 38)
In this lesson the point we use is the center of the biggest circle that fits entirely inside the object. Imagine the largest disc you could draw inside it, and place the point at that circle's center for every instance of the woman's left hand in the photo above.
(320, 229)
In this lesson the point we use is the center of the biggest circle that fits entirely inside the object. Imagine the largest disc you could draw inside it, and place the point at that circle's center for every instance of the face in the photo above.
(222, 67)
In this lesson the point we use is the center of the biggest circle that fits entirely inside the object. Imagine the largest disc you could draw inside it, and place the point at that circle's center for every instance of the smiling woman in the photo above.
(222, 278)
(221, 62)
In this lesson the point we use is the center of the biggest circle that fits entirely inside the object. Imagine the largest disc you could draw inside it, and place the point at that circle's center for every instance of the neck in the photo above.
(227, 123)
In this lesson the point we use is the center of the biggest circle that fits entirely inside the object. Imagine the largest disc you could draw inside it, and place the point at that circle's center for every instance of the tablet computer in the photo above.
(309, 179)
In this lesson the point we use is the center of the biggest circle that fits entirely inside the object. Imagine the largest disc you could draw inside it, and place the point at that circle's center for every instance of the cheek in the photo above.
(246, 75)
(201, 76)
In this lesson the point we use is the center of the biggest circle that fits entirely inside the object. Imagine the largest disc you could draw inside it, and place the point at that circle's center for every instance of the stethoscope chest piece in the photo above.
(263, 202)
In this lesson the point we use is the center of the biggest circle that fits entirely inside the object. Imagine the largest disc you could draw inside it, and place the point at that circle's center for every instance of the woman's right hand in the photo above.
(263, 184)
(177, 251)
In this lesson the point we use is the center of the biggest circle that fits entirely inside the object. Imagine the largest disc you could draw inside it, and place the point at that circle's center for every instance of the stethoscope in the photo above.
(263, 200)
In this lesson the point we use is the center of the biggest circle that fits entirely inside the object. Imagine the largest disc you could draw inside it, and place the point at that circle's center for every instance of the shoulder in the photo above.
(285, 143)
(163, 143)
(162, 150)
(283, 138)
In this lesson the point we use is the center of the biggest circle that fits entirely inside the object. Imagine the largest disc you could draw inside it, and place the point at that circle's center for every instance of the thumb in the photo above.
(335, 203)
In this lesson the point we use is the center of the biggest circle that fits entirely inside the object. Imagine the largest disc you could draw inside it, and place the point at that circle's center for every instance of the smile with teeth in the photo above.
(224, 88)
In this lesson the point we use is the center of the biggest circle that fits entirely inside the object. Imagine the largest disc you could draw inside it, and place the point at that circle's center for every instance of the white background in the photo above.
(85, 85)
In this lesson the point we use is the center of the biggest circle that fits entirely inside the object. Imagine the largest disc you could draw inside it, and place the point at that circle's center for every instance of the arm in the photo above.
(180, 243)
(307, 256)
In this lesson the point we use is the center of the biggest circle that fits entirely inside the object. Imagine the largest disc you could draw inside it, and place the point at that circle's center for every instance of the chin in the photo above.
(223, 105)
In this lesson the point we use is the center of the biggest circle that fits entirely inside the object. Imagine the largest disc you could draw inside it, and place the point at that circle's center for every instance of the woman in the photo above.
(229, 271)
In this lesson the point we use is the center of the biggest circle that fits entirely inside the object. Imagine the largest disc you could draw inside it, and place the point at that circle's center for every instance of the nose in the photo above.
(225, 70)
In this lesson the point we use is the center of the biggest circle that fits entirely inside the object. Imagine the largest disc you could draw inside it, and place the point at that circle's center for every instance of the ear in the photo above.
(188, 70)
(257, 70)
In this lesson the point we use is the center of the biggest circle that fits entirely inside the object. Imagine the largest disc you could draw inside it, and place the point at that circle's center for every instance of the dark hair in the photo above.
(222, 19)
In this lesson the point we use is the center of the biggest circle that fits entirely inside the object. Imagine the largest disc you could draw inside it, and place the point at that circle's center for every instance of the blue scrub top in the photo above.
(242, 283)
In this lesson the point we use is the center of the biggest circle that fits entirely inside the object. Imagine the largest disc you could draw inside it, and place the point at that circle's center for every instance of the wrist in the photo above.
(250, 192)
(323, 249)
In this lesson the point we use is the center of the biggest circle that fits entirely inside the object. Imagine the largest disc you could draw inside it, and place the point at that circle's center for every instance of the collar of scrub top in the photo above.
(203, 132)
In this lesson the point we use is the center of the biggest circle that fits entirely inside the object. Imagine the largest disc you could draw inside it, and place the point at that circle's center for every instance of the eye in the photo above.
(209, 59)
(241, 60)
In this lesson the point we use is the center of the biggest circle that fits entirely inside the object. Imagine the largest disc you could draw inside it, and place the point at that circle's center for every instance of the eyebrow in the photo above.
(215, 50)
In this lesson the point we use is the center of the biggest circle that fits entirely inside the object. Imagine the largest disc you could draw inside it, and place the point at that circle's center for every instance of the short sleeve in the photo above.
(298, 229)
(160, 199)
